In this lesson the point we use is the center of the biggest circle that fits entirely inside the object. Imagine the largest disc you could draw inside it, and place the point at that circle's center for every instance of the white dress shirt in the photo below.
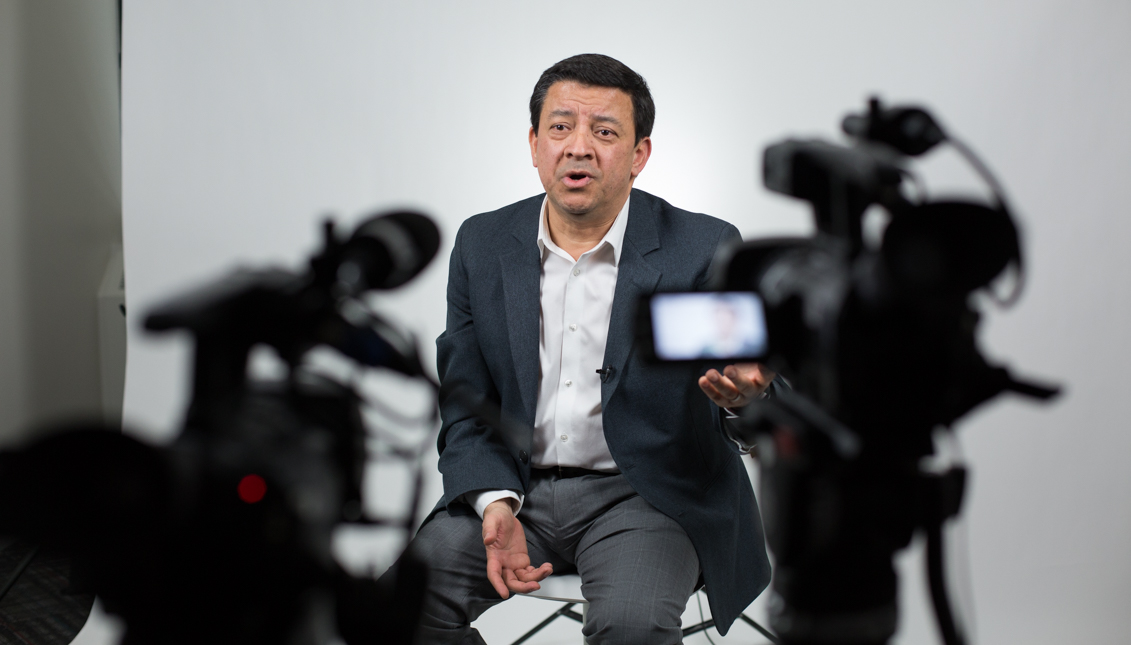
(576, 298)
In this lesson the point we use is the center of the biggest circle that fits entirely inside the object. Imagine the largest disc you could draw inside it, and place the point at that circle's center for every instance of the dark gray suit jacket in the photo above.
(663, 432)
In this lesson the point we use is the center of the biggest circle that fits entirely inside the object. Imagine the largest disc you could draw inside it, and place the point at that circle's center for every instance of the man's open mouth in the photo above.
(577, 179)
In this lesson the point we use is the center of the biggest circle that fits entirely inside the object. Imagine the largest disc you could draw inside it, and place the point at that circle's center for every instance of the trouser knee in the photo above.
(628, 627)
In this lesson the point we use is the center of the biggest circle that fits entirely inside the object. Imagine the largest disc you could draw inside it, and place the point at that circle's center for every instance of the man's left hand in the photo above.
(737, 385)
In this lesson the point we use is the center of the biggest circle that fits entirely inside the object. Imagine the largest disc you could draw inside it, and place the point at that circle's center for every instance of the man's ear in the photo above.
(641, 155)
(533, 146)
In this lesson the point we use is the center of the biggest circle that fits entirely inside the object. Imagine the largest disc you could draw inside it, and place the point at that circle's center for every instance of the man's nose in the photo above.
(579, 145)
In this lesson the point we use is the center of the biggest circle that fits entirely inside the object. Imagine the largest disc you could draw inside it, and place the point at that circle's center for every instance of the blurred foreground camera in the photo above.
(224, 535)
(878, 340)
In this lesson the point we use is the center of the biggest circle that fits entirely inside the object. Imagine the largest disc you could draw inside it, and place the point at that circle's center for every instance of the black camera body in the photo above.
(883, 339)
(879, 344)
(224, 535)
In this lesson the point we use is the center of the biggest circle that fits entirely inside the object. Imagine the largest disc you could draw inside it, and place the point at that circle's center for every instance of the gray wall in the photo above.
(60, 203)
(12, 387)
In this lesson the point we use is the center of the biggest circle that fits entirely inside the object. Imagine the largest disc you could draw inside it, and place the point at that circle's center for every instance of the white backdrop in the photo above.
(243, 123)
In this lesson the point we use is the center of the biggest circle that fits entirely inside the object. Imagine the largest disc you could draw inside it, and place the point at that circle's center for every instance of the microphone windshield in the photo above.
(388, 250)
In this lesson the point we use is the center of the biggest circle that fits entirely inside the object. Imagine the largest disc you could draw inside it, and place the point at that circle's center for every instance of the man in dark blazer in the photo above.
(642, 493)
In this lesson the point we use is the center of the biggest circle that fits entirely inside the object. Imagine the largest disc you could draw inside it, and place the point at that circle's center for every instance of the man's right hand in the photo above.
(508, 563)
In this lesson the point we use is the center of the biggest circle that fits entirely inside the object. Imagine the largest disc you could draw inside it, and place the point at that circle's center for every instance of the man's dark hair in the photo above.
(600, 71)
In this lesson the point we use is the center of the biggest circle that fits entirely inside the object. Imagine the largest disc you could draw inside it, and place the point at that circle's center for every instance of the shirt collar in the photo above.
(614, 237)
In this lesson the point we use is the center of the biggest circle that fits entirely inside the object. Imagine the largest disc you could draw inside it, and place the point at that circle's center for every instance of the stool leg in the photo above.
(761, 630)
(564, 611)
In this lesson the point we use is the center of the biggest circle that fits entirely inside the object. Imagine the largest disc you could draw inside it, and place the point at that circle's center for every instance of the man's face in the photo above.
(585, 149)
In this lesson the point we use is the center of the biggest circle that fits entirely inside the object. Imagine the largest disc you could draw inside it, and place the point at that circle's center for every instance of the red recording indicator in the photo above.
(252, 488)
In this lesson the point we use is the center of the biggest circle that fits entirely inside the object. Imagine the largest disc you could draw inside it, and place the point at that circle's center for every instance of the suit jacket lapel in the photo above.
(521, 271)
(636, 277)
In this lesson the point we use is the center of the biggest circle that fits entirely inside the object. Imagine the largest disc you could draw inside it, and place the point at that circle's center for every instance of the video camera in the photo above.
(878, 340)
(224, 536)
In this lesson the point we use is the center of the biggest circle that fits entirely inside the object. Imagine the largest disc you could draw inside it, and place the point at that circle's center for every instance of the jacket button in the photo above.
(523, 456)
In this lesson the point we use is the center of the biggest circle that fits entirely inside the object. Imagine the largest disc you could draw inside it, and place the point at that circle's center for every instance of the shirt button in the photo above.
(569, 383)
(565, 438)
(573, 327)
(577, 272)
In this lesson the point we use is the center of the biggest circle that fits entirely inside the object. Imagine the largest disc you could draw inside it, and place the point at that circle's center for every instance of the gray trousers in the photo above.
(637, 565)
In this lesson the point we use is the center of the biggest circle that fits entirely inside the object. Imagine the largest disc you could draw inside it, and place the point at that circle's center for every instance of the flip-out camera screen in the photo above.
(708, 326)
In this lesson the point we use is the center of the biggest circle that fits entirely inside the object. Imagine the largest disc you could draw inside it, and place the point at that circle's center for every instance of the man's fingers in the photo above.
(708, 389)
(741, 380)
(723, 385)
(518, 586)
(719, 383)
(713, 392)
(523, 580)
(530, 574)
(737, 385)
(495, 576)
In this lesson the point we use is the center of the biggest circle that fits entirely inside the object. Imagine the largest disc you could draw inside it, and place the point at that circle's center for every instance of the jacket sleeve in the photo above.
(727, 236)
(473, 455)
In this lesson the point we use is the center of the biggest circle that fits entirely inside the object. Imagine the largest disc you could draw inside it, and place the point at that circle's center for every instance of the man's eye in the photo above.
(557, 126)
(605, 132)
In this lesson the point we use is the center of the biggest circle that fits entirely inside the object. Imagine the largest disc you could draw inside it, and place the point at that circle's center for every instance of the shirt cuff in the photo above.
(480, 500)
(728, 429)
